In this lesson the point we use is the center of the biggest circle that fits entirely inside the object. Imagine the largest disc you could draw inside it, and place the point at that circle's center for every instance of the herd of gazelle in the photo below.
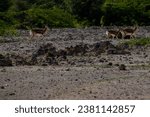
(121, 33)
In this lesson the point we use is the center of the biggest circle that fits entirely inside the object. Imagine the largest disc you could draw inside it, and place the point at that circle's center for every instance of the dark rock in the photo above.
(5, 60)
(3, 70)
(145, 56)
(68, 69)
(122, 67)
(112, 51)
(110, 63)
(2, 87)
(76, 79)
(11, 94)
(80, 49)
(18, 60)
(95, 96)
(101, 60)
(101, 47)
(117, 50)
(116, 64)
(131, 62)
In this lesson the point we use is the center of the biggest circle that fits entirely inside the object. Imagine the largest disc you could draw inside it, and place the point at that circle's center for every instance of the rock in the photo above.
(11, 94)
(145, 56)
(45, 55)
(110, 63)
(95, 97)
(2, 87)
(122, 67)
(18, 59)
(112, 51)
(101, 47)
(5, 61)
(68, 69)
(117, 50)
(130, 62)
(76, 79)
(116, 64)
(3, 70)
(80, 49)
(102, 60)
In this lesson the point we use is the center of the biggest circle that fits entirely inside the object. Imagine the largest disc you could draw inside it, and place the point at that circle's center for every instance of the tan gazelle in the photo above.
(130, 32)
(112, 33)
(38, 32)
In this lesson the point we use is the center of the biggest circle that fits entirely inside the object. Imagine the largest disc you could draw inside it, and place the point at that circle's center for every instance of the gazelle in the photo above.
(112, 33)
(38, 32)
(130, 32)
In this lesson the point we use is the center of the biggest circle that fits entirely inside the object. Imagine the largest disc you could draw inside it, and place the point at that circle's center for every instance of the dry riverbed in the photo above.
(74, 64)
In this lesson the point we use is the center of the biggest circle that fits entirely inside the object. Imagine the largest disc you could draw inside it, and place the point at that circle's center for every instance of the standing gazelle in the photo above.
(130, 32)
(38, 32)
(112, 33)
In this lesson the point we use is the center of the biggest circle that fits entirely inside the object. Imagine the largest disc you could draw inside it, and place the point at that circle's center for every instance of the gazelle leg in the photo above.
(31, 36)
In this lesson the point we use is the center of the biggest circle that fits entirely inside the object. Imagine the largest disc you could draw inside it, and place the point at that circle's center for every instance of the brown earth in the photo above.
(74, 64)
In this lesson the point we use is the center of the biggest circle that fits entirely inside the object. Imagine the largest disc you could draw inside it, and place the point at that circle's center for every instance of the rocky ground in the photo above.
(74, 64)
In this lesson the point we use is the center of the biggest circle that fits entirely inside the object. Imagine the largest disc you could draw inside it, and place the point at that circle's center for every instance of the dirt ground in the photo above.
(74, 64)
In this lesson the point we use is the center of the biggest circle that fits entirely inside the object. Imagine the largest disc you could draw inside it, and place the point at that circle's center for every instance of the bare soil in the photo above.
(74, 64)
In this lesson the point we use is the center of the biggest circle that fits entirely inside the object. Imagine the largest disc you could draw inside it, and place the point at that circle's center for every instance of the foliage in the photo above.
(55, 17)
(138, 42)
(7, 24)
(131, 12)
(16, 14)
(88, 10)
(4, 5)
(8, 31)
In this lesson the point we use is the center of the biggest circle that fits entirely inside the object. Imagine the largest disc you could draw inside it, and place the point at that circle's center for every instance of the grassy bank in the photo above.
(138, 42)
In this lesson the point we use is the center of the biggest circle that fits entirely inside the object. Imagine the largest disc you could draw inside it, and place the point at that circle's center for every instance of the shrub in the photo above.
(53, 17)
(127, 12)
(138, 42)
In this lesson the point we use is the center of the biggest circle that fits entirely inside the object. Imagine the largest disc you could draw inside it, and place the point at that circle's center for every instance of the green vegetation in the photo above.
(24, 14)
(54, 17)
(126, 12)
(138, 42)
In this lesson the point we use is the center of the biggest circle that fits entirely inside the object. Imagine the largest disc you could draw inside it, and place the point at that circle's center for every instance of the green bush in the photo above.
(8, 24)
(138, 42)
(8, 31)
(22, 14)
(88, 11)
(129, 12)
(55, 17)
